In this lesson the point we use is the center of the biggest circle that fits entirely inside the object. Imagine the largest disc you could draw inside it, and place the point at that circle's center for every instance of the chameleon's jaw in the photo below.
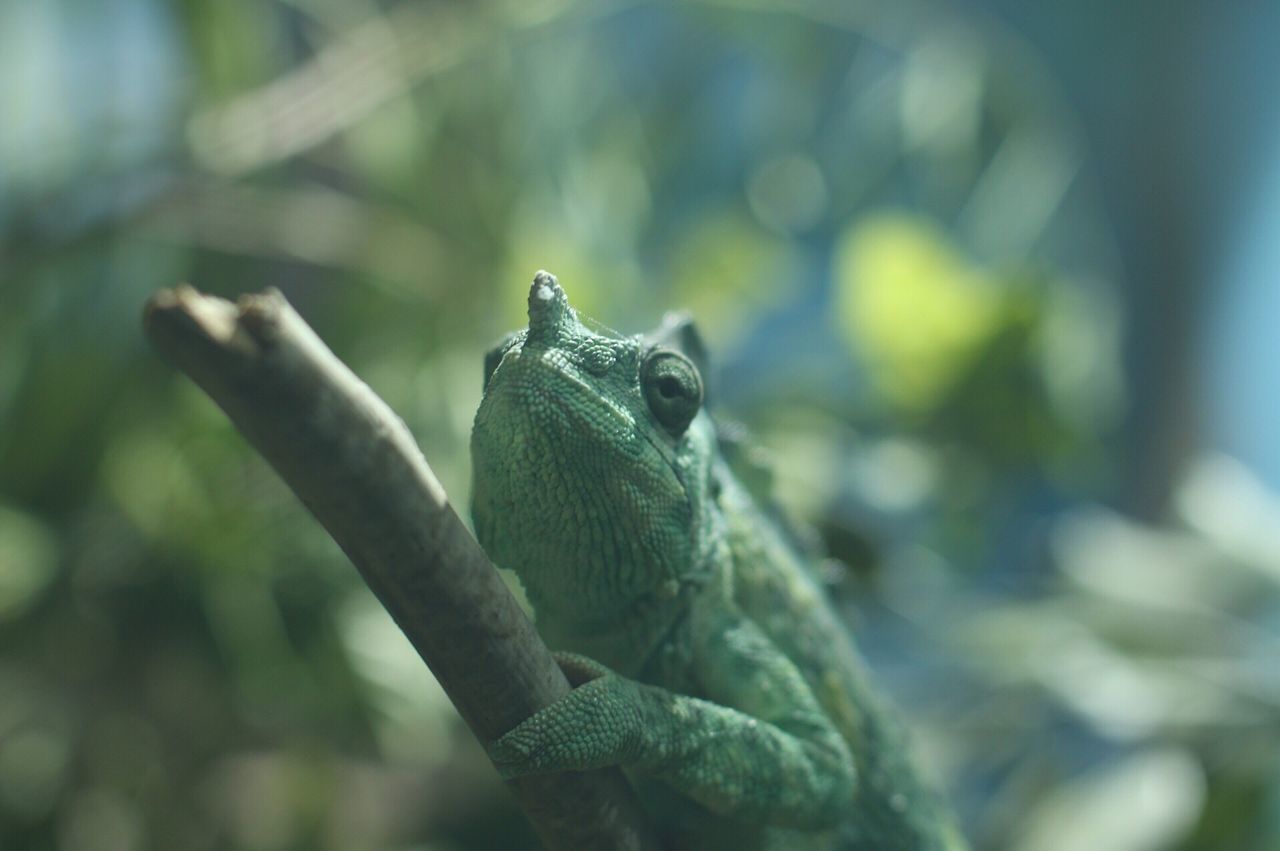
(570, 495)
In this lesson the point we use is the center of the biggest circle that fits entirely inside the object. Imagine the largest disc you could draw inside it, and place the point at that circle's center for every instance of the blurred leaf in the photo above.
(28, 561)
(101, 819)
(911, 305)
(414, 721)
(1156, 568)
(1233, 509)
(725, 270)
(1145, 802)
(33, 771)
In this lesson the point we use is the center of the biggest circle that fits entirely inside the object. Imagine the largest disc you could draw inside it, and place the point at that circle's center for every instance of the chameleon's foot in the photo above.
(594, 725)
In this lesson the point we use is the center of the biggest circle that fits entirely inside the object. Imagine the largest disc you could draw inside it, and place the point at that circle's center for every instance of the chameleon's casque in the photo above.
(711, 666)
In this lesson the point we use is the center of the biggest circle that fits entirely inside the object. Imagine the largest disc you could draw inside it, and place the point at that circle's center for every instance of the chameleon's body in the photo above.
(712, 669)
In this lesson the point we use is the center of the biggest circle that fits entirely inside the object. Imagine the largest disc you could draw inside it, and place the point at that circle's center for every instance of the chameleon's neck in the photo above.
(629, 641)
(627, 638)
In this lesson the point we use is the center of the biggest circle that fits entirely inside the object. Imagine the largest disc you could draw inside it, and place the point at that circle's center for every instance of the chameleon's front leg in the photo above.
(758, 749)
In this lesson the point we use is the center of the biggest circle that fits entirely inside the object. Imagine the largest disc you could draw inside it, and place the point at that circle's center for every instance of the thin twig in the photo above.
(354, 464)
(376, 61)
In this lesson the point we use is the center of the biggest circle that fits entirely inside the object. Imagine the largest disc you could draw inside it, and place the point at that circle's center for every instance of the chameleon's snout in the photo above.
(548, 306)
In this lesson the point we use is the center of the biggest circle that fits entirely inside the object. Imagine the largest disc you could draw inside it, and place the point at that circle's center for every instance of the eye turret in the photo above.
(672, 388)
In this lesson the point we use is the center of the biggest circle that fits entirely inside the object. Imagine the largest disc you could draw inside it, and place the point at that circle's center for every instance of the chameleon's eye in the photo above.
(672, 388)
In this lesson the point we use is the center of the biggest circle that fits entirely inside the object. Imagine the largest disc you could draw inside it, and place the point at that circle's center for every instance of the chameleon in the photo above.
(705, 657)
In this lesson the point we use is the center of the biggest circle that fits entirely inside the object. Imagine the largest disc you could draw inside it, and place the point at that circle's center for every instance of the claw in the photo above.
(580, 670)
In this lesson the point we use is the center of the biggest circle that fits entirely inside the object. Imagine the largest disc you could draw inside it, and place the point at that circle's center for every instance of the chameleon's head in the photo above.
(591, 462)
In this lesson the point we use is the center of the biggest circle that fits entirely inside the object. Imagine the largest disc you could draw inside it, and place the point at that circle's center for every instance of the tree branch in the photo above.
(354, 464)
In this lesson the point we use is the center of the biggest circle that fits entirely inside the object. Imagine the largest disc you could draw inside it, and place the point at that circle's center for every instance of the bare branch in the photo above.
(354, 464)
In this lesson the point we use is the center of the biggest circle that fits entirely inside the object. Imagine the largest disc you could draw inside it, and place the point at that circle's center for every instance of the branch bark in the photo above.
(354, 464)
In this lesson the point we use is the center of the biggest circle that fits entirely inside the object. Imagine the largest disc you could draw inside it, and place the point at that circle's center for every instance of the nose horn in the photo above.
(548, 305)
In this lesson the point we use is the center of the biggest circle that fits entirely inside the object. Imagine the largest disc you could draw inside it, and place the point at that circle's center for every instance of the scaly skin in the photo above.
(707, 661)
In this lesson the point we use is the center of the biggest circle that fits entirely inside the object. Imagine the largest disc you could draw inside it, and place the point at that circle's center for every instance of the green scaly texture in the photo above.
(706, 658)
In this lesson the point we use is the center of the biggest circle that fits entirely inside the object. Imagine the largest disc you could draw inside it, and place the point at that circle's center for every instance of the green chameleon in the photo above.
(707, 661)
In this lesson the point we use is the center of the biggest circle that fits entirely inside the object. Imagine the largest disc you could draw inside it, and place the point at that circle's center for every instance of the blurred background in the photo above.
(992, 284)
